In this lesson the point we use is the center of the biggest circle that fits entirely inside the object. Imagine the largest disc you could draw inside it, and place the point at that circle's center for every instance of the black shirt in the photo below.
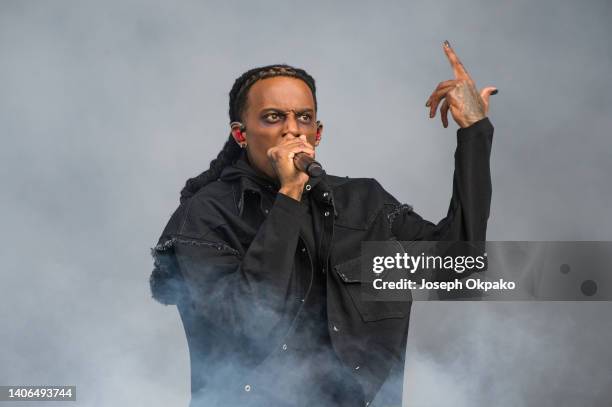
(323, 371)
(320, 377)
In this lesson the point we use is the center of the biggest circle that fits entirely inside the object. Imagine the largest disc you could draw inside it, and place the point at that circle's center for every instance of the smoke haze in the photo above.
(106, 108)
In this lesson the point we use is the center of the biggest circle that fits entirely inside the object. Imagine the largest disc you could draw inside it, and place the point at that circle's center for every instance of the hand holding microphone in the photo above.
(293, 161)
(307, 164)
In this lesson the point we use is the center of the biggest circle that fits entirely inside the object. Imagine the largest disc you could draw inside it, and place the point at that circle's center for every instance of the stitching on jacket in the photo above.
(397, 210)
(168, 244)
(185, 215)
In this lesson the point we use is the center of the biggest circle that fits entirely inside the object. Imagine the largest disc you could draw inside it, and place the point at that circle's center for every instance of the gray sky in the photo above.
(106, 108)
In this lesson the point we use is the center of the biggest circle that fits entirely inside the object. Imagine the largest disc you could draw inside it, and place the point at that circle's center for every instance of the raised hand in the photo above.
(459, 95)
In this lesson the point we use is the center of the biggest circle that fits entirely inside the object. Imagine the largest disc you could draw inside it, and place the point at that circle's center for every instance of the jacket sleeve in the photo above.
(166, 283)
(468, 212)
(243, 292)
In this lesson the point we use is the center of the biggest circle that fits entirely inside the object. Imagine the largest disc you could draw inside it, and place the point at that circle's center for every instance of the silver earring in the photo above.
(239, 125)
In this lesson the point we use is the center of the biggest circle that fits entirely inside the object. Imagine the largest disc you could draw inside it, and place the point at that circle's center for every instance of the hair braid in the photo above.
(237, 105)
(228, 154)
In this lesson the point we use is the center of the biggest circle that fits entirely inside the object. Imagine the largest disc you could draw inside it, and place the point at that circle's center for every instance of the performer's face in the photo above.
(277, 107)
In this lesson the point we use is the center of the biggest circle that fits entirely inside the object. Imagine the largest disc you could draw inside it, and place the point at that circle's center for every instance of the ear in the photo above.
(238, 133)
(319, 133)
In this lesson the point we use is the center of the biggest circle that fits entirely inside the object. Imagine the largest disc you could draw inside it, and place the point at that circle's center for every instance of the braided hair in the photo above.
(237, 105)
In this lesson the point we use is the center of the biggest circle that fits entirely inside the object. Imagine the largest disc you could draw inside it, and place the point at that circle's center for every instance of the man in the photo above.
(263, 261)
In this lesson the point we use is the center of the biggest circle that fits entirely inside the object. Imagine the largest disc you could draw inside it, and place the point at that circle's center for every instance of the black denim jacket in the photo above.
(231, 258)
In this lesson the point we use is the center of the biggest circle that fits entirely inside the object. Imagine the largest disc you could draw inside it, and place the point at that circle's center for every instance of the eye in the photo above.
(305, 117)
(272, 117)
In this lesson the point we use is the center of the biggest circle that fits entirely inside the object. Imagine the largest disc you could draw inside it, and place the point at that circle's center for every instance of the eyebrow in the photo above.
(302, 110)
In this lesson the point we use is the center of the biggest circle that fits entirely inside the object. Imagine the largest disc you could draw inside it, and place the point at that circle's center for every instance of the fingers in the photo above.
(288, 148)
(485, 93)
(440, 86)
(438, 96)
(444, 113)
(301, 149)
(293, 149)
(441, 90)
(458, 68)
(301, 145)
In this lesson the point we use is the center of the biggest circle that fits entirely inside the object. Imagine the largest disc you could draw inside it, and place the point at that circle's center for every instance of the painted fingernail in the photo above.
(446, 43)
(495, 92)
(427, 104)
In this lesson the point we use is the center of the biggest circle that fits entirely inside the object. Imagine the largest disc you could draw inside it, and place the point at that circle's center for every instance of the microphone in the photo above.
(307, 164)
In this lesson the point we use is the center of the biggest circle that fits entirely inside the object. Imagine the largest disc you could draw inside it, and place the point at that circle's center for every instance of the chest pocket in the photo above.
(370, 305)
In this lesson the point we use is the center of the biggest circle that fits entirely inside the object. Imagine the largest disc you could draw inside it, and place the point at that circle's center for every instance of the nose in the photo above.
(291, 125)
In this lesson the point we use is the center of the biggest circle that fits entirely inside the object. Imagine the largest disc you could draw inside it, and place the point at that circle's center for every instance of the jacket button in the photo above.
(357, 367)
(284, 346)
(308, 187)
(326, 213)
(367, 404)
(325, 194)
(266, 211)
(335, 328)
(303, 249)
(247, 387)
